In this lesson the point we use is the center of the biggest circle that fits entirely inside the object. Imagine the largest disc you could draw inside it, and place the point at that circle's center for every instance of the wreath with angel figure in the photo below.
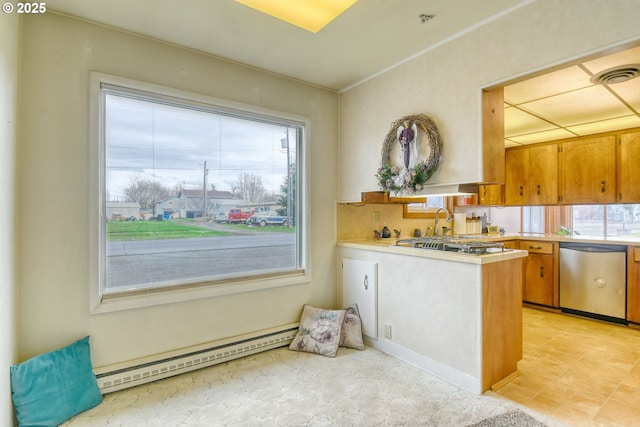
(406, 143)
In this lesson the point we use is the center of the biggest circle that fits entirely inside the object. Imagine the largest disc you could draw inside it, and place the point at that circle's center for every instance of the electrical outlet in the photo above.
(387, 331)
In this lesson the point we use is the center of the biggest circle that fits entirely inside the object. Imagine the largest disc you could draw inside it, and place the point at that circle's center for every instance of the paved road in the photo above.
(136, 264)
(255, 240)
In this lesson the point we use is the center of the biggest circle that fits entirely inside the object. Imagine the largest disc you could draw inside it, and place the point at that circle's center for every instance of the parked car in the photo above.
(220, 217)
(238, 215)
(263, 219)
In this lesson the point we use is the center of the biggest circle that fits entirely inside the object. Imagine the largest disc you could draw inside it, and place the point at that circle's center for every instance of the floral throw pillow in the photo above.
(319, 331)
(351, 334)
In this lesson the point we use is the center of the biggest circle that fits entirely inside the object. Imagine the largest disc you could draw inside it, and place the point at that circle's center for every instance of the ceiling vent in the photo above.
(618, 74)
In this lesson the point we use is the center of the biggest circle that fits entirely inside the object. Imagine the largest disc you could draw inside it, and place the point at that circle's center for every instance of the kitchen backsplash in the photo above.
(358, 221)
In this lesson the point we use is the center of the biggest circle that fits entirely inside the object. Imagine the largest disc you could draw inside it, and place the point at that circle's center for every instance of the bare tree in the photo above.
(146, 192)
(249, 187)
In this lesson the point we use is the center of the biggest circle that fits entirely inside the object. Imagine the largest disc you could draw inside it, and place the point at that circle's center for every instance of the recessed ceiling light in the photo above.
(311, 15)
(618, 74)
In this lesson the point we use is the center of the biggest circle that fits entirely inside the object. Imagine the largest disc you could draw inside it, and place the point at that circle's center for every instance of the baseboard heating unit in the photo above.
(129, 374)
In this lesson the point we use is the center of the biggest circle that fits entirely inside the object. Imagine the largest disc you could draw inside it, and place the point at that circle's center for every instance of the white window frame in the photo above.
(97, 220)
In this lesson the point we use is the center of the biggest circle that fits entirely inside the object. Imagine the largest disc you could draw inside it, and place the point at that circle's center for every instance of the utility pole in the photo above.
(285, 144)
(289, 216)
(204, 190)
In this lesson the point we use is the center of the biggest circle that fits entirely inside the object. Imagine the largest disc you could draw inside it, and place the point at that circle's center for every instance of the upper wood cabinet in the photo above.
(516, 176)
(588, 171)
(532, 175)
(490, 194)
(493, 136)
(543, 167)
(628, 179)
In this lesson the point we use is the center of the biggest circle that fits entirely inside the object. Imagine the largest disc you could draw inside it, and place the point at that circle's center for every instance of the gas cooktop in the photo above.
(451, 245)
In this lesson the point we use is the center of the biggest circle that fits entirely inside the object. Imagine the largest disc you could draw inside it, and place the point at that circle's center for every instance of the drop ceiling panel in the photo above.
(630, 56)
(584, 105)
(630, 92)
(619, 123)
(521, 122)
(567, 99)
(550, 135)
(551, 84)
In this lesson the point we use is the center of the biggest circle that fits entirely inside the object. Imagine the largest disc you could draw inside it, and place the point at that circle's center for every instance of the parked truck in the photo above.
(237, 215)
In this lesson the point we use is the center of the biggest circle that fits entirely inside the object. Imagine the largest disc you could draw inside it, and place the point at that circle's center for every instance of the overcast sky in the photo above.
(171, 144)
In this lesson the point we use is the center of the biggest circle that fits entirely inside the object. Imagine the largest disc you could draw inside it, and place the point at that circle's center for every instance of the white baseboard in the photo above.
(453, 376)
(136, 372)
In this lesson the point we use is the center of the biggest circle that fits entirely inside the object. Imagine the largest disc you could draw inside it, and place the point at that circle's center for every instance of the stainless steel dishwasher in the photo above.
(593, 280)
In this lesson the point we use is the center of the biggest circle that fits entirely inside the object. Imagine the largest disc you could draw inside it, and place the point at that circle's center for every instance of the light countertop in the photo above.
(389, 246)
(611, 240)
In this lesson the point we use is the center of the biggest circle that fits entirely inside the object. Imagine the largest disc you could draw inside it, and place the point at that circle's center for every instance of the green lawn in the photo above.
(148, 230)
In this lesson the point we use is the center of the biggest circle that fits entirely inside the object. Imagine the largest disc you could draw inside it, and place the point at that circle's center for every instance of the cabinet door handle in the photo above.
(538, 186)
(541, 271)
(535, 247)
(521, 188)
(602, 188)
(366, 282)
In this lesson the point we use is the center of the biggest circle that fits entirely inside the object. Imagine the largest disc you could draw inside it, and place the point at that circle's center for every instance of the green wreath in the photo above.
(408, 181)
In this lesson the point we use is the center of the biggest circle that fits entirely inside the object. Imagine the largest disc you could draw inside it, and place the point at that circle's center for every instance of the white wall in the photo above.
(9, 30)
(53, 265)
(445, 83)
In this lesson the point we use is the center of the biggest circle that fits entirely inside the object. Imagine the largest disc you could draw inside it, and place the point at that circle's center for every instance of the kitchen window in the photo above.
(606, 220)
(427, 209)
(179, 181)
(622, 220)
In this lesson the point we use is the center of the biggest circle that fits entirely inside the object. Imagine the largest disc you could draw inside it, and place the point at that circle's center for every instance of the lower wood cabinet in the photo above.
(510, 244)
(540, 273)
(633, 284)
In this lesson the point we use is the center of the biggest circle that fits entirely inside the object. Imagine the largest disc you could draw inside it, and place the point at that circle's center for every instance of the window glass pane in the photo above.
(623, 220)
(193, 194)
(432, 203)
(435, 202)
(588, 220)
(607, 220)
(533, 219)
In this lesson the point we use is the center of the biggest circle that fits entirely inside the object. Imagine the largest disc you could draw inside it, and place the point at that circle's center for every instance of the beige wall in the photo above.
(9, 30)
(445, 83)
(57, 55)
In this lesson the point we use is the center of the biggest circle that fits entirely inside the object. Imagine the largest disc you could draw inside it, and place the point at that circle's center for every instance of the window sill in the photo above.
(150, 297)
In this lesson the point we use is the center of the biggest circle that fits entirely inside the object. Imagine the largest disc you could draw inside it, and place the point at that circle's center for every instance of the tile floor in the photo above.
(579, 371)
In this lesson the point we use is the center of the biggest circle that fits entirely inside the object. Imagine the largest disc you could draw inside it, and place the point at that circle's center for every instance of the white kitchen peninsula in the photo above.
(457, 316)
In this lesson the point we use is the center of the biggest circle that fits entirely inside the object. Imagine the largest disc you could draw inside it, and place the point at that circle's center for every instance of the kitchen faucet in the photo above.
(448, 219)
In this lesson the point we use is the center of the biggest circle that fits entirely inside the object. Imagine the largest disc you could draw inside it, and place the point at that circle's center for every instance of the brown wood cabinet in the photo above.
(531, 175)
(588, 171)
(490, 194)
(633, 284)
(510, 244)
(493, 136)
(628, 172)
(540, 273)
(516, 176)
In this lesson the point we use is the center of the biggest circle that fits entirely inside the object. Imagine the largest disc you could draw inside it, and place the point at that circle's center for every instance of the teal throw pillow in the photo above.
(53, 387)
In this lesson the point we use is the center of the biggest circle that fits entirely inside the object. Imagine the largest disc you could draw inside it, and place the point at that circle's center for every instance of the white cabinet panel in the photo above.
(359, 285)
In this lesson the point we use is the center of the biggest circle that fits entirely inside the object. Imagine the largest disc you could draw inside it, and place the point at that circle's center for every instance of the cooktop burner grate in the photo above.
(450, 245)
